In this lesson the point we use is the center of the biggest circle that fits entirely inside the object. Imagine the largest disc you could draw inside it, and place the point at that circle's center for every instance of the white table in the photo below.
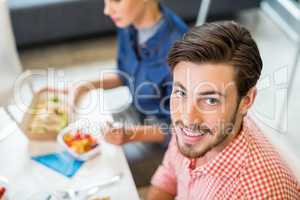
(26, 176)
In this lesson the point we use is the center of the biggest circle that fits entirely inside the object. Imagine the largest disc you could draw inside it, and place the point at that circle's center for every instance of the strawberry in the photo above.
(2, 191)
(77, 135)
(87, 136)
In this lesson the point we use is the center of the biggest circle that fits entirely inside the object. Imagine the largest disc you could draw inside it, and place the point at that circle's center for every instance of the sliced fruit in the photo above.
(2, 191)
(80, 142)
(68, 138)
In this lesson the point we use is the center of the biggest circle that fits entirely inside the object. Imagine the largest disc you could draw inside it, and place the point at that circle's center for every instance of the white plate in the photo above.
(92, 127)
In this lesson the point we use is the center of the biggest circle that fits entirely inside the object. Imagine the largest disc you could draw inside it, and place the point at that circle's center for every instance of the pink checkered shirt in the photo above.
(248, 168)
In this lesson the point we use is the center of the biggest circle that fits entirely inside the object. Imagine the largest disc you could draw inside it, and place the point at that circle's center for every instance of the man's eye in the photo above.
(212, 101)
(179, 93)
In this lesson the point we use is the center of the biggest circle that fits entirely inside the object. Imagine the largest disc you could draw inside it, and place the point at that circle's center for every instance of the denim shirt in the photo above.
(144, 68)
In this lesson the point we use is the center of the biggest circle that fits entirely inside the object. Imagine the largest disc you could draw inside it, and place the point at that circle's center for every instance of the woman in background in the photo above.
(146, 31)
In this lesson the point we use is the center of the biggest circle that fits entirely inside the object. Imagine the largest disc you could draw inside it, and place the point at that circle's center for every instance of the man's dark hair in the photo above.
(222, 42)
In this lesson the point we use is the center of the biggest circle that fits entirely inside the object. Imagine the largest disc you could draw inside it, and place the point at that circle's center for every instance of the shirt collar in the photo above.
(230, 161)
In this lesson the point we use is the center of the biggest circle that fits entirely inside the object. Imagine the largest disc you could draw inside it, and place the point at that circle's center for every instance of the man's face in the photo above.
(204, 106)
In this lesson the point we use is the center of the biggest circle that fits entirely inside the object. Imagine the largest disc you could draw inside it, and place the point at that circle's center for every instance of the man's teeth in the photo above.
(194, 134)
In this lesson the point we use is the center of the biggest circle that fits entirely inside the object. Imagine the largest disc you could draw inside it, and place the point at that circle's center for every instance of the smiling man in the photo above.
(217, 151)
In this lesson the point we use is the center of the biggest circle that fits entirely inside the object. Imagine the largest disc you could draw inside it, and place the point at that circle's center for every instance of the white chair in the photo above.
(286, 14)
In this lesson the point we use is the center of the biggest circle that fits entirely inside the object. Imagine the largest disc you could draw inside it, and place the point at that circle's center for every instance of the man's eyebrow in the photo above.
(177, 84)
(211, 92)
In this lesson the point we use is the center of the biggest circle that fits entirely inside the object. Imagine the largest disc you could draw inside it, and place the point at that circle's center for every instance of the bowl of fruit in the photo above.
(81, 140)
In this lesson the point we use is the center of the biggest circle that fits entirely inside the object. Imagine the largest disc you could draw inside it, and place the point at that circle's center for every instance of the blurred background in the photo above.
(75, 36)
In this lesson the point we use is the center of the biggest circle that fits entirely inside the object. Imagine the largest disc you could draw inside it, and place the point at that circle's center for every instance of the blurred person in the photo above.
(146, 31)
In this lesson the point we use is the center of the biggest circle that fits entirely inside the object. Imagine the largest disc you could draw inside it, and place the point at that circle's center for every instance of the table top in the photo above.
(26, 176)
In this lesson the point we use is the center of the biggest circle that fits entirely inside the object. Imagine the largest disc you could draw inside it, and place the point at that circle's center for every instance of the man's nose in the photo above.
(191, 114)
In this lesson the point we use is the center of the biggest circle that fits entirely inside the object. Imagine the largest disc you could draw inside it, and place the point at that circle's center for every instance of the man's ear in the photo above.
(248, 100)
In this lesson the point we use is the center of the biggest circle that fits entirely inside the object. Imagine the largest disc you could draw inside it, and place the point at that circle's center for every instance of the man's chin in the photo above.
(189, 151)
(186, 149)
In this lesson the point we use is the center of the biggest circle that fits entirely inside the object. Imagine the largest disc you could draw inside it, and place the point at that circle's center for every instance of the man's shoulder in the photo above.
(265, 172)
(262, 154)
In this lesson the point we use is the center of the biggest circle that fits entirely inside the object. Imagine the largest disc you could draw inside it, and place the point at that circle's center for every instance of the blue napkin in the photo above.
(62, 162)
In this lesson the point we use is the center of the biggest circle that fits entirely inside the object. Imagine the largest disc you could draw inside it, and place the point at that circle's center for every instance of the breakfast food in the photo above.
(48, 113)
(2, 192)
(49, 116)
(80, 142)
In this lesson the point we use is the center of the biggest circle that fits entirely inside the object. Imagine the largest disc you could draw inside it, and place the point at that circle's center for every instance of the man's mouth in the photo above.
(191, 136)
(191, 133)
